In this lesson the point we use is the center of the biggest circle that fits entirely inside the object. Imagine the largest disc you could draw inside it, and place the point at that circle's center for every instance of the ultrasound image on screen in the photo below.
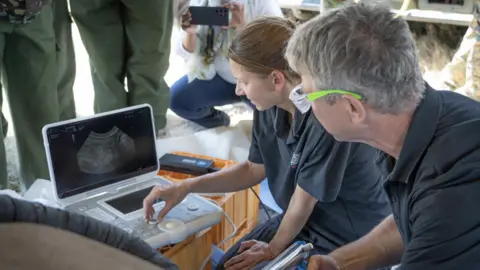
(106, 152)
(95, 152)
(131, 202)
(447, 2)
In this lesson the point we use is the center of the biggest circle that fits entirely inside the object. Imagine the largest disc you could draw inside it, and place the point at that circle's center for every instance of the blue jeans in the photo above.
(195, 101)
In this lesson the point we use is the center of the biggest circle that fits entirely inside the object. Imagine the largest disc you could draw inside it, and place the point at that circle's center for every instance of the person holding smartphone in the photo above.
(208, 81)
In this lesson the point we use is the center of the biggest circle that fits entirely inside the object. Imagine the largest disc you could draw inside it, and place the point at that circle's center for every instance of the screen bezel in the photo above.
(147, 173)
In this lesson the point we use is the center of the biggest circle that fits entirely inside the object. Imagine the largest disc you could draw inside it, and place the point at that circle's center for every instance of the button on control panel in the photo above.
(172, 224)
(192, 207)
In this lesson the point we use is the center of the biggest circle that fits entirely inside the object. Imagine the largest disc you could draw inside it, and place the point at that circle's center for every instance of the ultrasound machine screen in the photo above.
(103, 150)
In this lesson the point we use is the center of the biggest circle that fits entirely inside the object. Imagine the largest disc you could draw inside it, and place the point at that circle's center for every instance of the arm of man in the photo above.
(15, 210)
(382, 247)
(444, 234)
(299, 210)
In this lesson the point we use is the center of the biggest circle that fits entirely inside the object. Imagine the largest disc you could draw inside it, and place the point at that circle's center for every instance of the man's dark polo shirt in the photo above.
(434, 187)
(342, 176)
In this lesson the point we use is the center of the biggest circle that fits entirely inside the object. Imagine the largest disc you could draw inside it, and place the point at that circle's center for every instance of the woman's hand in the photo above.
(250, 254)
(237, 15)
(186, 25)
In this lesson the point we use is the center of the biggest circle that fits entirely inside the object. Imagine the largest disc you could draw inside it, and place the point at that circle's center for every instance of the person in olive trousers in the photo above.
(66, 65)
(127, 39)
(28, 64)
(4, 121)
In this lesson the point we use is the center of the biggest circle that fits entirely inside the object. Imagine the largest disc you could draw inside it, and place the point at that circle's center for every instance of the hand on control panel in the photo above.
(172, 195)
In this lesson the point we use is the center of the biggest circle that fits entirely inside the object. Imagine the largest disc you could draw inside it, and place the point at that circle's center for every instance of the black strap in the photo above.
(210, 41)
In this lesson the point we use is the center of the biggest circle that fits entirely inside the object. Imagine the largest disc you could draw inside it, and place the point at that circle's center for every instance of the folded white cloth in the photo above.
(15, 195)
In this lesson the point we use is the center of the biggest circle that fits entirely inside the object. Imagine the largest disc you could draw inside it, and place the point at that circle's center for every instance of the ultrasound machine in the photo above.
(105, 165)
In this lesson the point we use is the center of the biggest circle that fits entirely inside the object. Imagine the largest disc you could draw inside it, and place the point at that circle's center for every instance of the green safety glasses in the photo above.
(322, 93)
(303, 101)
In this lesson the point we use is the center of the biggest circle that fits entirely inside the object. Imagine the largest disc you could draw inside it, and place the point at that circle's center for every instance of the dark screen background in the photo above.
(449, 2)
(70, 180)
(130, 202)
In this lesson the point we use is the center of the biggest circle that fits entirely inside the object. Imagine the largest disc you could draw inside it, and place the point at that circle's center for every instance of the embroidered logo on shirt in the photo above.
(294, 160)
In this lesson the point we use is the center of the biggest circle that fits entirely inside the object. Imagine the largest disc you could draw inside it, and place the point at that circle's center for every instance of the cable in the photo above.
(233, 225)
(224, 240)
(261, 203)
(403, 8)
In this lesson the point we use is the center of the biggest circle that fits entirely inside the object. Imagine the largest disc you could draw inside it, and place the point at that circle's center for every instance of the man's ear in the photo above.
(355, 109)
(279, 80)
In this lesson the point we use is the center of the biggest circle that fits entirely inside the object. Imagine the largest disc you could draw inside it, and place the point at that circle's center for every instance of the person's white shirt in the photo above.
(253, 9)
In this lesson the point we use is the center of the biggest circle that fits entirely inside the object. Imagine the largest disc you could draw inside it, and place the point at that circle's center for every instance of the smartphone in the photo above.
(212, 16)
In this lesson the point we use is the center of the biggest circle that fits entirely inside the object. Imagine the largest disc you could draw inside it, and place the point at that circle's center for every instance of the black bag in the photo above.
(20, 11)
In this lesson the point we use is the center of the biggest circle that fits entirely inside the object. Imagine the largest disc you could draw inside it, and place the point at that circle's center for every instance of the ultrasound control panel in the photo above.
(124, 209)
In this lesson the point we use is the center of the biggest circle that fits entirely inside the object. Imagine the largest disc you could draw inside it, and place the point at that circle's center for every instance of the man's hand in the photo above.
(251, 253)
(320, 262)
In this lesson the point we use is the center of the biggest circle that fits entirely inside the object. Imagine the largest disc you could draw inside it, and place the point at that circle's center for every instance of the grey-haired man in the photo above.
(366, 58)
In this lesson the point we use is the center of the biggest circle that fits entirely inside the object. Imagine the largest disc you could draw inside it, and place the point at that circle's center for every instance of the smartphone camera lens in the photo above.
(221, 12)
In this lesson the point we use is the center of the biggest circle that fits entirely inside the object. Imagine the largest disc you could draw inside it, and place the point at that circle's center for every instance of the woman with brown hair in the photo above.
(330, 193)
